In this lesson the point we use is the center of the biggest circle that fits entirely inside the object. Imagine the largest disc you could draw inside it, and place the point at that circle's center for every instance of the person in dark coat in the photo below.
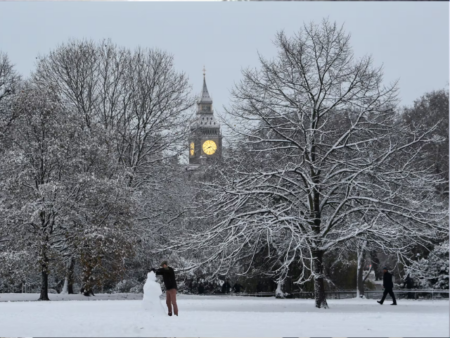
(388, 285)
(226, 287)
(201, 289)
(171, 286)
(237, 287)
(409, 284)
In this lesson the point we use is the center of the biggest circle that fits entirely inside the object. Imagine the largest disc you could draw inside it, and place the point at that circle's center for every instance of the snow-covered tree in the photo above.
(129, 111)
(433, 271)
(64, 198)
(137, 100)
(429, 110)
(33, 167)
(323, 162)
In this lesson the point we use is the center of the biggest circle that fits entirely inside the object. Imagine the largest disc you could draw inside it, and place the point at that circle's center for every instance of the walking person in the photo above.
(237, 287)
(171, 286)
(388, 286)
(201, 289)
(409, 284)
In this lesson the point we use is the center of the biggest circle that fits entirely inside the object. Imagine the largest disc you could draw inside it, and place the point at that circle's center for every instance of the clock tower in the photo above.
(205, 139)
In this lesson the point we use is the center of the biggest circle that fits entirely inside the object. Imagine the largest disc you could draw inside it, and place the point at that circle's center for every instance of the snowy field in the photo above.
(216, 316)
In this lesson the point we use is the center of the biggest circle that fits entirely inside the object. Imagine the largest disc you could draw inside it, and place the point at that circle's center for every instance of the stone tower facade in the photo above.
(205, 139)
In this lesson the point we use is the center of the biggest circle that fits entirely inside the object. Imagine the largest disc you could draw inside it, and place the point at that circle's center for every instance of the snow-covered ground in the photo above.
(21, 297)
(215, 316)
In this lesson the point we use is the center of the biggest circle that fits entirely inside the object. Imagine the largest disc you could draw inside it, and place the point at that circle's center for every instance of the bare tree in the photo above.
(135, 101)
(9, 85)
(432, 110)
(322, 163)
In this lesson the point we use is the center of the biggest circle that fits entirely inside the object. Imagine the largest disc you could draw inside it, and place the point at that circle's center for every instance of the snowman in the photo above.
(152, 291)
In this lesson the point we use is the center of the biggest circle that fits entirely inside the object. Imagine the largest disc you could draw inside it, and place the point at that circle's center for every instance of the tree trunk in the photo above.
(88, 285)
(376, 265)
(65, 288)
(319, 285)
(70, 289)
(279, 291)
(70, 276)
(43, 256)
(44, 283)
(68, 280)
(359, 274)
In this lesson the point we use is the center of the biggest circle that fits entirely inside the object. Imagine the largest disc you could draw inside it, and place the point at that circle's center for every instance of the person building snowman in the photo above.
(170, 283)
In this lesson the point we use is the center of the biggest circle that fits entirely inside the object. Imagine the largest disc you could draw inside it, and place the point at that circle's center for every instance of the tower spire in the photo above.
(205, 95)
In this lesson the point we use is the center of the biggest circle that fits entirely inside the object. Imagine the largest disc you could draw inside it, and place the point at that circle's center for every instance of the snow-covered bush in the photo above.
(432, 272)
(137, 289)
(123, 286)
(17, 269)
(128, 285)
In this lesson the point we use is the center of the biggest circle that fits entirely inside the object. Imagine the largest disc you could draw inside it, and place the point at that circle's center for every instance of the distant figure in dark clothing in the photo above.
(237, 287)
(226, 287)
(409, 283)
(388, 286)
(201, 289)
(171, 286)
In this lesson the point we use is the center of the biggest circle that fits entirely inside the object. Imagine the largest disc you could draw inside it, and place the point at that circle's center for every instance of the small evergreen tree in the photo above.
(432, 272)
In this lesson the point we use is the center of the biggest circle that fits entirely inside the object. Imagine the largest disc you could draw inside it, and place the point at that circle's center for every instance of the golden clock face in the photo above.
(209, 147)
(191, 151)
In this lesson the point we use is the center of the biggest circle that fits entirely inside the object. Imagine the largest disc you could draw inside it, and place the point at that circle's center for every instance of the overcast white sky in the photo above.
(411, 39)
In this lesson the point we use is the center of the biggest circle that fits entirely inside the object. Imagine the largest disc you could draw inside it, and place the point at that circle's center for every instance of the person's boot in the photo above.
(394, 304)
(170, 313)
(379, 302)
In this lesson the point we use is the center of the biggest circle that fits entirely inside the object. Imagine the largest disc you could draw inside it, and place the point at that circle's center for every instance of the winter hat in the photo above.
(385, 268)
(164, 262)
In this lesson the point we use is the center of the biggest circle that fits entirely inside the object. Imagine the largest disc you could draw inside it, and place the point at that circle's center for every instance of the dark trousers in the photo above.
(391, 293)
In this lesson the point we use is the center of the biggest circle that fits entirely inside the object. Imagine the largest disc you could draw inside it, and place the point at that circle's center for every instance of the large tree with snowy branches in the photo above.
(321, 162)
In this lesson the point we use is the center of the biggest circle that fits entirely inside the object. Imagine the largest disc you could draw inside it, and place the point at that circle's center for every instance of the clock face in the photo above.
(209, 147)
(191, 151)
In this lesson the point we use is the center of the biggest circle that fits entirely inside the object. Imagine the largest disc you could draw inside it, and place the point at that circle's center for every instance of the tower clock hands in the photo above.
(209, 147)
